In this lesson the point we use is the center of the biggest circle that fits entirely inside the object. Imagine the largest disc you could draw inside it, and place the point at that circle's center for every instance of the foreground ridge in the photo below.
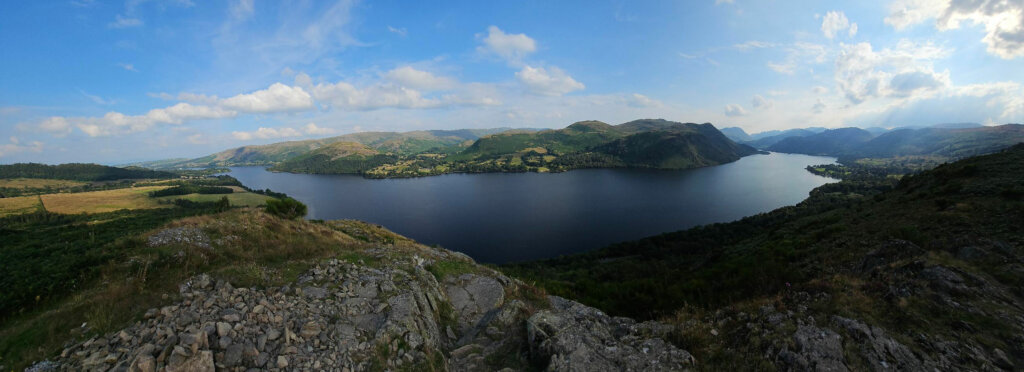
(377, 315)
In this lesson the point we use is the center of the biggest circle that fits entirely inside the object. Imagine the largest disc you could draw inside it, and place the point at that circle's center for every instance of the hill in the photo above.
(924, 276)
(404, 143)
(646, 143)
(675, 147)
(953, 143)
(336, 158)
(244, 289)
(79, 172)
(829, 142)
(736, 134)
(768, 141)
(945, 142)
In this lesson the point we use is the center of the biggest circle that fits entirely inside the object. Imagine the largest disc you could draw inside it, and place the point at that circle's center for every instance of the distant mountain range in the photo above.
(647, 143)
(950, 140)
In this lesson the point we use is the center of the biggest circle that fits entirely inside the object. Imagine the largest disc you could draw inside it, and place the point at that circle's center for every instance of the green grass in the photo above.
(444, 269)
(109, 276)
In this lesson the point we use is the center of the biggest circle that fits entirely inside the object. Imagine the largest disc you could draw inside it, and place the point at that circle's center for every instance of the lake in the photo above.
(507, 217)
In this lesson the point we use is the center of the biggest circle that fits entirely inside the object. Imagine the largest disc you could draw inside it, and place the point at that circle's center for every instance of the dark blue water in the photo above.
(505, 217)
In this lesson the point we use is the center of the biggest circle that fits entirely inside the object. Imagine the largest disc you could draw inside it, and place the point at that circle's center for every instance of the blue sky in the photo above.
(121, 81)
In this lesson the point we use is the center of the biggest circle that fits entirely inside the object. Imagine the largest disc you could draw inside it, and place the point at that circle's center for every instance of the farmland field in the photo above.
(18, 205)
(102, 201)
(36, 183)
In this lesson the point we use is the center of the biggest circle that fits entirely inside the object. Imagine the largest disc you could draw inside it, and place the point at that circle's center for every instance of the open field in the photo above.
(112, 200)
(18, 205)
(36, 183)
(102, 201)
(237, 199)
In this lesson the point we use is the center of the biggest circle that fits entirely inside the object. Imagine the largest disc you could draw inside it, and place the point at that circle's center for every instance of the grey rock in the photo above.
(575, 337)
(881, 351)
(818, 349)
(233, 355)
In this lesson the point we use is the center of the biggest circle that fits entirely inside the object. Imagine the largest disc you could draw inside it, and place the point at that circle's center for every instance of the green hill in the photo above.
(947, 142)
(79, 172)
(647, 143)
(829, 142)
(680, 146)
(405, 143)
(336, 158)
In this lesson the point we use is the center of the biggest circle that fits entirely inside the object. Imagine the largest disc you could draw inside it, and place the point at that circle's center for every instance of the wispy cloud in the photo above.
(398, 31)
(121, 21)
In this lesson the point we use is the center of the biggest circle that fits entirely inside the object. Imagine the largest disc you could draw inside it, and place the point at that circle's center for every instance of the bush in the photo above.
(191, 189)
(287, 208)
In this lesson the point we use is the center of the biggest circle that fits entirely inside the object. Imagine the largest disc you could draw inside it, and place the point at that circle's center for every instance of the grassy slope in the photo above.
(248, 248)
(38, 183)
(405, 143)
(963, 216)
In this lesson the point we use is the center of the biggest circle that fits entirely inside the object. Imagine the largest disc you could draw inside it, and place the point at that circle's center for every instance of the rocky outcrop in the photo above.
(391, 314)
(574, 337)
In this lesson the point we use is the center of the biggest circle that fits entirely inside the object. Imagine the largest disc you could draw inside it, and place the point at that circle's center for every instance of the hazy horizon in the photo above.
(119, 82)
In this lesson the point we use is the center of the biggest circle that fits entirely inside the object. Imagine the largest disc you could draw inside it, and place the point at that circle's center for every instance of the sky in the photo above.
(122, 81)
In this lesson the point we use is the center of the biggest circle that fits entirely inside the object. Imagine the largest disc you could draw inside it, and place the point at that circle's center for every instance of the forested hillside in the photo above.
(79, 172)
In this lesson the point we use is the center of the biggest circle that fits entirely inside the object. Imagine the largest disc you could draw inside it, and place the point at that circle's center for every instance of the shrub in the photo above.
(287, 208)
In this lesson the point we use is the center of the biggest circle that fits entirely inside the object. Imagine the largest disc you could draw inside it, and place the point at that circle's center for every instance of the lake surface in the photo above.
(507, 217)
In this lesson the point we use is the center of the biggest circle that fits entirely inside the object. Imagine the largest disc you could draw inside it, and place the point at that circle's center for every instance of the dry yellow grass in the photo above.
(38, 183)
(102, 201)
(18, 205)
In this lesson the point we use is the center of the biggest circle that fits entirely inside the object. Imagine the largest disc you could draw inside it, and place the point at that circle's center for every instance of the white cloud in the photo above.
(124, 22)
(1003, 20)
(313, 130)
(97, 99)
(15, 146)
(819, 90)
(797, 54)
(760, 102)
(128, 67)
(347, 96)
(56, 125)
(417, 79)
(835, 22)
(278, 97)
(862, 73)
(267, 133)
(118, 123)
(753, 44)
(640, 100)
(511, 47)
(398, 31)
(198, 98)
(310, 129)
(548, 82)
(733, 109)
